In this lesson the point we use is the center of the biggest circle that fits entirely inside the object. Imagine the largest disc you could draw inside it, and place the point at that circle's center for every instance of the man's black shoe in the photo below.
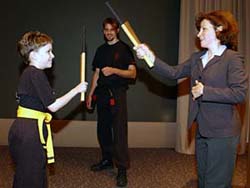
(102, 165)
(121, 179)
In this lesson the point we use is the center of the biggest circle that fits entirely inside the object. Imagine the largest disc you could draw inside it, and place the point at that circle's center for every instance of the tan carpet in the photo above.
(150, 168)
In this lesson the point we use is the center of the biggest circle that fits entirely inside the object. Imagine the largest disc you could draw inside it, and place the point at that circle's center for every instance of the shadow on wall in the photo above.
(60, 123)
(156, 85)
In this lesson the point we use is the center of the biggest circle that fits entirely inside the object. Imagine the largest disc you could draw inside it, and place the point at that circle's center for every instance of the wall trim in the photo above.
(68, 133)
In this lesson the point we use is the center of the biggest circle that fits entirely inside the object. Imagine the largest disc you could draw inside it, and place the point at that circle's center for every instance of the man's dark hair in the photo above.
(111, 21)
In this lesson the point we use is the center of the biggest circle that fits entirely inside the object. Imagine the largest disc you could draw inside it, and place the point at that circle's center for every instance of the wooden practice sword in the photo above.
(129, 32)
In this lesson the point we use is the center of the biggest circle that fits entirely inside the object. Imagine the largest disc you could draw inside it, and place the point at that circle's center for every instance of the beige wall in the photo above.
(83, 133)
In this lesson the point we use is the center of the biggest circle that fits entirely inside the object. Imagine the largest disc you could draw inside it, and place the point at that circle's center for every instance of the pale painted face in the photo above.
(44, 56)
(110, 33)
(207, 35)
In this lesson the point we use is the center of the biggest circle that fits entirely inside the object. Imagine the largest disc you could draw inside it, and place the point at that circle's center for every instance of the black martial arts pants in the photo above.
(112, 126)
(28, 154)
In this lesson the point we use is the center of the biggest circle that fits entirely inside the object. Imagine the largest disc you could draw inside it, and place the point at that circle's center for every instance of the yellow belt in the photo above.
(41, 117)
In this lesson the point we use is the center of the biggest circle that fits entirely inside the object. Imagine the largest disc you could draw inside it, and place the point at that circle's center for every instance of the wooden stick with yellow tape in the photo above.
(129, 31)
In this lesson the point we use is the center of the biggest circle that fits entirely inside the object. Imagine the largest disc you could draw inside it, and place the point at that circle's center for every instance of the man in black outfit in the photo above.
(113, 66)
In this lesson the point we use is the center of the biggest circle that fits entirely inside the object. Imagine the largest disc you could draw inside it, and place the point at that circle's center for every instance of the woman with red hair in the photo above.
(218, 82)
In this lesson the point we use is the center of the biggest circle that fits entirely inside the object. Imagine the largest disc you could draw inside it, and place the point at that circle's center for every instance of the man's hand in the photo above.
(88, 102)
(107, 71)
